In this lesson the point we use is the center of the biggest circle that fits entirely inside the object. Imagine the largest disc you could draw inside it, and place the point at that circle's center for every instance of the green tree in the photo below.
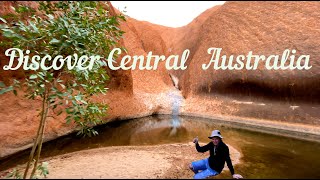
(63, 28)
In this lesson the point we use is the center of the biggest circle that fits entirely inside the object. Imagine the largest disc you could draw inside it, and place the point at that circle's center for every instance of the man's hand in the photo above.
(237, 176)
(195, 140)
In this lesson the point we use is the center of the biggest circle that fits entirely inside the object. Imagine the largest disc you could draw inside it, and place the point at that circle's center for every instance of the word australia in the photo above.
(285, 61)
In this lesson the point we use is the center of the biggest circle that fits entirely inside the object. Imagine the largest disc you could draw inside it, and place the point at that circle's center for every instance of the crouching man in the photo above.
(219, 154)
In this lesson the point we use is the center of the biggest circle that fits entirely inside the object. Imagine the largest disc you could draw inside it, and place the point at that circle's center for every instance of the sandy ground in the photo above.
(148, 162)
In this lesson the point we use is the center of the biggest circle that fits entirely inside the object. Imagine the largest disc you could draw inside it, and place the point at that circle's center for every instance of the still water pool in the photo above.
(263, 155)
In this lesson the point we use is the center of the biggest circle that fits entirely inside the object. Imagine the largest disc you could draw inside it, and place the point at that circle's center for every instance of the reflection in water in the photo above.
(263, 155)
(175, 123)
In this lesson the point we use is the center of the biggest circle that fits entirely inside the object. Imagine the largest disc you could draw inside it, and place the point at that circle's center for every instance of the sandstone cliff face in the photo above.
(186, 37)
(237, 27)
(266, 29)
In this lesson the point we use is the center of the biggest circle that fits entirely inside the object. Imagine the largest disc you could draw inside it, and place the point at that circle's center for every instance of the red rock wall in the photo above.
(265, 28)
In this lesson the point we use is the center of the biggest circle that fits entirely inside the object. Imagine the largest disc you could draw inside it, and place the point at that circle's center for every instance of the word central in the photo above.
(128, 62)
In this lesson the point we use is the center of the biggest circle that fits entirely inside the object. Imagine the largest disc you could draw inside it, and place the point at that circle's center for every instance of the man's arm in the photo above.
(230, 166)
(202, 149)
(228, 160)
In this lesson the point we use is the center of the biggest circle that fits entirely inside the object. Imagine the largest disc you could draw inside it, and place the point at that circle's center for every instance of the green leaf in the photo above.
(8, 30)
(78, 97)
(63, 86)
(3, 20)
(54, 41)
(3, 26)
(50, 16)
(79, 133)
(8, 33)
(68, 119)
(7, 89)
(33, 76)
(69, 111)
(34, 27)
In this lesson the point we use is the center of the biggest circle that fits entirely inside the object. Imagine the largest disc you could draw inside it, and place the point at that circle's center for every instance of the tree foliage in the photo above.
(63, 28)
